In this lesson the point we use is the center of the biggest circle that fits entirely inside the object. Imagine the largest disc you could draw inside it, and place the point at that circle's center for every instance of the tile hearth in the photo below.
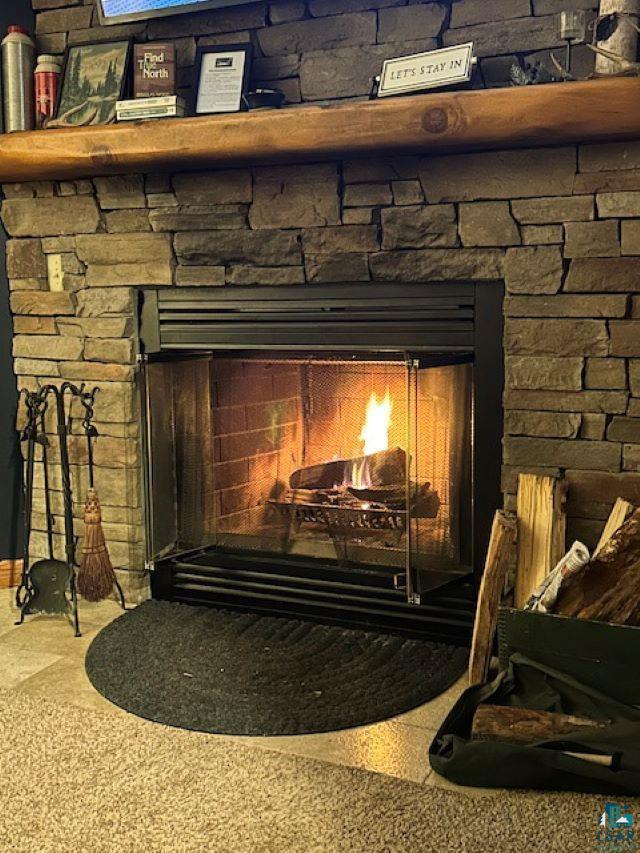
(42, 658)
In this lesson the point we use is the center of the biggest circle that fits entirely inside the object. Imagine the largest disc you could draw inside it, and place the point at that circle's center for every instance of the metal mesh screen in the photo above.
(287, 456)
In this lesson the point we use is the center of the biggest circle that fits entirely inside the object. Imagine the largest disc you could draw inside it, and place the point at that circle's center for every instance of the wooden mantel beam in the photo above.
(595, 110)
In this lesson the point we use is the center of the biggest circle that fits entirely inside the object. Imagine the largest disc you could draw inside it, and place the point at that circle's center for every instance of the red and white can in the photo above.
(47, 83)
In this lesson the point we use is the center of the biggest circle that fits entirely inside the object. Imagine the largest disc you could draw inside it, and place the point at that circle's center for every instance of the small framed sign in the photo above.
(444, 67)
(222, 78)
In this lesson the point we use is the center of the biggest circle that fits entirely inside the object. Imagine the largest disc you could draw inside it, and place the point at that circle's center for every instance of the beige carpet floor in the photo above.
(75, 780)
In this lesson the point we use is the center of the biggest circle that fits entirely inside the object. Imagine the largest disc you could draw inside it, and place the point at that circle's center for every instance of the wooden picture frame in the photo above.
(229, 98)
(88, 109)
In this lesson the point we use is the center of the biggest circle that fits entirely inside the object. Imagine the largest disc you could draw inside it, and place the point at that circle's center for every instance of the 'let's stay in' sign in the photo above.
(427, 70)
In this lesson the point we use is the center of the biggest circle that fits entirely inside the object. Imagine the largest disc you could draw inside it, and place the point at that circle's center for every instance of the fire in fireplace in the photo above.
(277, 474)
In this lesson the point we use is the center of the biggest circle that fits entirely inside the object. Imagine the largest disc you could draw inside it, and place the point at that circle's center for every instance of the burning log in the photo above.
(385, 468)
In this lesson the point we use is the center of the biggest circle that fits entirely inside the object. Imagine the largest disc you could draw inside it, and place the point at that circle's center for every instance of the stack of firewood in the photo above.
(527, 546)
(608, 589)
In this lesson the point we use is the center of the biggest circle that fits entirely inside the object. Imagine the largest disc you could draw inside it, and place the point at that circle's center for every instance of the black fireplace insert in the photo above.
(331, 451)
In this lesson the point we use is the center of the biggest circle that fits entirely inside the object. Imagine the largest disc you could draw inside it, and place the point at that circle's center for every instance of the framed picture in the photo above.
(222, 78)
(94, 78)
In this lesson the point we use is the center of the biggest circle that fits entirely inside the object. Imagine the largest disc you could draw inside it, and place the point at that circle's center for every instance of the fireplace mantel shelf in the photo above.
(591, 111)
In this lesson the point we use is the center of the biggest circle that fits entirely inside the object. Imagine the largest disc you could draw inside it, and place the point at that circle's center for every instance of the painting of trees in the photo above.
(93, 82)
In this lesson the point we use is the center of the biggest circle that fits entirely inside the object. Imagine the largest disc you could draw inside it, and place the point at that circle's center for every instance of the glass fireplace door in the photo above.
(356, 462)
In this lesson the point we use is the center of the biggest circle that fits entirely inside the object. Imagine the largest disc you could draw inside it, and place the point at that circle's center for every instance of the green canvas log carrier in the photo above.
(584, 687)
(542, 765)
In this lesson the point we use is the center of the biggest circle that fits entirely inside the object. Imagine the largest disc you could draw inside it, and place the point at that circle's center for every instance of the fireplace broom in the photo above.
(96, 576)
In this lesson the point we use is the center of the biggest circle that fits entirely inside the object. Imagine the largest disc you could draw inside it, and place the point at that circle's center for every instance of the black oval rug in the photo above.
(237, 673)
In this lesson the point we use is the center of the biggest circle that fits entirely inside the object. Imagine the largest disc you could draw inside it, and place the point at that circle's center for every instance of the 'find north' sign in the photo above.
(429, 70)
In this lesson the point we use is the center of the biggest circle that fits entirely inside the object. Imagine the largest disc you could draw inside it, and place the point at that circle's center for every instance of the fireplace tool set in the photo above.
(50, 586)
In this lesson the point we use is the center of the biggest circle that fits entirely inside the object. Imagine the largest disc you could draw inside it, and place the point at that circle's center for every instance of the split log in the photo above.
(616, 559)
(620, 604)
(619, 514)
(523, 725)
(501, 556)
(541, 531)
(571, 598)
(386, 468)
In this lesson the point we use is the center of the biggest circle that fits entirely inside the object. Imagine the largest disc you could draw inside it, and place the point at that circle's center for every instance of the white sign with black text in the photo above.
(221, 79)
(443, 67)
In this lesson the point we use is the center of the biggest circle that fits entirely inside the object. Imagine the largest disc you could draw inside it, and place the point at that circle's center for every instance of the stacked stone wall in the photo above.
(330, 49)
(558, 225)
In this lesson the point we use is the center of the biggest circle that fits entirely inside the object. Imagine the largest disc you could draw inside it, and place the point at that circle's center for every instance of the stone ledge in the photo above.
(542, 424)
(566, 306)
(53, 346)
(111, 249)
(604, 275)
(42, 303)
(44, 217)
(595, 455)
(437, 264)
(600, 486)
(556, 337)
(609, 402)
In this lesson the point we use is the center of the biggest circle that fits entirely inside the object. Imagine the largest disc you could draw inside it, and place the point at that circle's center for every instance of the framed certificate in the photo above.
(222, 78)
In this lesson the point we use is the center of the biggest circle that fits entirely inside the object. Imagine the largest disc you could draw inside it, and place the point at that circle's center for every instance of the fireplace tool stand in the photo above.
(44, 585)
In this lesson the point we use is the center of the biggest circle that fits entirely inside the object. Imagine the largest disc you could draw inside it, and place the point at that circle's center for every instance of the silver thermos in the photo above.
(18, 65)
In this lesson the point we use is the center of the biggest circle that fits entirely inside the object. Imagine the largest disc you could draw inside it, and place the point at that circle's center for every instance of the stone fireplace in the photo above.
(558, 228)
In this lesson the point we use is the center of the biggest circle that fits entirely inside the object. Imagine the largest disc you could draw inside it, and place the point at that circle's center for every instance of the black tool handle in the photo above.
(36, 403)
(45, 477)
(88, 399)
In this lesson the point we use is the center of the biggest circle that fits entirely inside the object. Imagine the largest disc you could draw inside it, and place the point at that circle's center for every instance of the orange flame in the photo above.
(375, 430)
